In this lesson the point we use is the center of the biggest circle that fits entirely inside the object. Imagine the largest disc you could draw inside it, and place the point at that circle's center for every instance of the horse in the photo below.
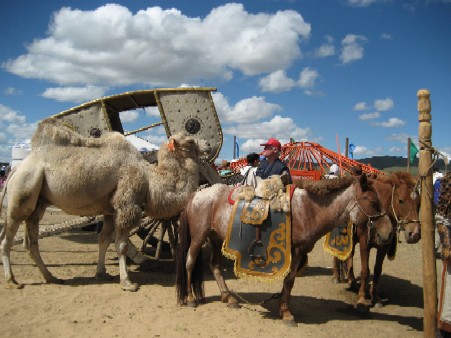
(316, 209)
(399, 198)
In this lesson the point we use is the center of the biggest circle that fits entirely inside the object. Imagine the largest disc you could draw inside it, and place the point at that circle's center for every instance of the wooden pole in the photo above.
(408, 154)
(426, 215)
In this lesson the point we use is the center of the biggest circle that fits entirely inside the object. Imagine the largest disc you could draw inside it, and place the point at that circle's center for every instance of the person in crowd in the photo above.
(334, 172)
(248, 172)
(272, 165)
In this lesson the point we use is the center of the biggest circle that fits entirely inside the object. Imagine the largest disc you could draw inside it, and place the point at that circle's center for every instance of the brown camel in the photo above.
(87, 176)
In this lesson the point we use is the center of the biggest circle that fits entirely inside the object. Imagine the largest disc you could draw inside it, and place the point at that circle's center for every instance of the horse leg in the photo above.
(215, 265)
(106, 237)
(8, 232)
(191, 259)
(336, 270)
(375, 299)
(32, 240)
(352, 281)
(362, 305)
(288, 283)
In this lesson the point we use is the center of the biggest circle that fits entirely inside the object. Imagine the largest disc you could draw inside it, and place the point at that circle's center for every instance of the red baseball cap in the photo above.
(273, 142)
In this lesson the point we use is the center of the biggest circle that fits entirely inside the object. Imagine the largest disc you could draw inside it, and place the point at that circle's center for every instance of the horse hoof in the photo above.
(191, 303)
(13, 285)
(378, 305)
(362, 308)
(290, 322)
(103, 277)
(336, 281)
(233, 305)
(129, 286)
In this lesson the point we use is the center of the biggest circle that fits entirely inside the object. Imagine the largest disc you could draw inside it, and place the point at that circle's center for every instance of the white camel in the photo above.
(87, 176)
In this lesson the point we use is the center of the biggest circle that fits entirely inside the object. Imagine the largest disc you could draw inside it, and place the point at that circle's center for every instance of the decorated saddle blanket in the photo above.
(338, 242)
(258, 239)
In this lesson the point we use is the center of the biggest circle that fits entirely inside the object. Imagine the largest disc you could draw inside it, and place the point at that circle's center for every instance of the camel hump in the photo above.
(54, 132)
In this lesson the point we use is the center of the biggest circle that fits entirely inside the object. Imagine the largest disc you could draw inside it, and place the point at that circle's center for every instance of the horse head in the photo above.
(367, 209)
(405, 205)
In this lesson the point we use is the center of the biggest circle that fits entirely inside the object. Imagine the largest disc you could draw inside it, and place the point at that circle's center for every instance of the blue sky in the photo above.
(311, 70)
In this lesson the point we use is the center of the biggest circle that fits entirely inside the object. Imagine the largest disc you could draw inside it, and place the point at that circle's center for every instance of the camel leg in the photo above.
(375, 299)
(362, 305)
(9, 231)
(32, 238)
(288, 283)
(215, 265)
(106, 237)
(125, 219)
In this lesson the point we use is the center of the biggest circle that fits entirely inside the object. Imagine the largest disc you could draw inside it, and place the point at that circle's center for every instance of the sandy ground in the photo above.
(82, 307)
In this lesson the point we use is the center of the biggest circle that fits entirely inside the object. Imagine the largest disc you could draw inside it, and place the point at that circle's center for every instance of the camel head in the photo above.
(183, 146)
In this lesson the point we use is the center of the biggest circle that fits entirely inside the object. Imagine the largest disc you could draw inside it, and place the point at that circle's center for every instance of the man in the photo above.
(272, 165)
(248, 172)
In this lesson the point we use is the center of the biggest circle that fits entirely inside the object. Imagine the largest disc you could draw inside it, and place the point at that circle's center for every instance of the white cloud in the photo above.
(307, 78)
(386, 36)
(152, 111)
(9, 115)
(9, 91)
(396, 150)
(326, 49)
(129, 116)
(361, 3)
(279, 127)
(75, 94)
(360, 106)
(160, 47)
(369, 116)
(392, 122)
(352, 49)
(276, 82)
(247, 110)
(383, 105)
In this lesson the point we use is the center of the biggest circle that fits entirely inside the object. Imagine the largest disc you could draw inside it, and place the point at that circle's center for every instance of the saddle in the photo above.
(258, 236)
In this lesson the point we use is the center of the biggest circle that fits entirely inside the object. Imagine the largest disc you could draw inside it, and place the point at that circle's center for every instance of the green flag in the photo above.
(292, 140)
(413, 151)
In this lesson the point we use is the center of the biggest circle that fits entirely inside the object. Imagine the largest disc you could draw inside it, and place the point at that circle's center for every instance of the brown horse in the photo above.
(398, 197)
(315, 210)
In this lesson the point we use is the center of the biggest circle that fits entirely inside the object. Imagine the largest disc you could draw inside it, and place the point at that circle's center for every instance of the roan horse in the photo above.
(315, 210)
(398, 197)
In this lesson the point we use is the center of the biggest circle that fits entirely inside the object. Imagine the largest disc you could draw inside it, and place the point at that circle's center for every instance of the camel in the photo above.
(87, 176)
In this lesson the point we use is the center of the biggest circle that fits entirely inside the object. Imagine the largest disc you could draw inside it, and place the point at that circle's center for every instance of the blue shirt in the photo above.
(266, 169)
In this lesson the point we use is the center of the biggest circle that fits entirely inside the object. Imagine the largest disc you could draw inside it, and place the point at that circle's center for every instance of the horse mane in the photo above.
(325, 187)
(398, 177)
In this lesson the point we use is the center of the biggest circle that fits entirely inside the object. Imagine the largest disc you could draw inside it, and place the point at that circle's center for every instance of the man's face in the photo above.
(270, 151)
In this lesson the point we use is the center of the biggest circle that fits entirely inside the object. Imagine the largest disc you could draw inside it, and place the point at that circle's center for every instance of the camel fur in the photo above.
(95, 176)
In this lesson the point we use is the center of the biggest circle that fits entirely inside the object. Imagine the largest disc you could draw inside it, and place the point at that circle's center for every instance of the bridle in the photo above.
(371, 218)
(400, 222)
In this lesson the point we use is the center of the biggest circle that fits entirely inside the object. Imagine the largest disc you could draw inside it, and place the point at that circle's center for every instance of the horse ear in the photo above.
(363, 180)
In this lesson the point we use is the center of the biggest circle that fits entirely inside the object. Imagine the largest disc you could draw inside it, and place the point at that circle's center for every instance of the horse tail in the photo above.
(184, 241)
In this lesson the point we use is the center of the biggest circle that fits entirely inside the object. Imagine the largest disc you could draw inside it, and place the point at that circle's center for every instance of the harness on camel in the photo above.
(258, 234)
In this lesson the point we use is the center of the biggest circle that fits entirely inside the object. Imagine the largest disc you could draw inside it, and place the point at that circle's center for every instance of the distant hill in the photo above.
(394, 163)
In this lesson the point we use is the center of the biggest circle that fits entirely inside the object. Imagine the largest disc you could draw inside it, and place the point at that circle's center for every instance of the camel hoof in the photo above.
(129, 286)
(54, 280)
(233, 305)
(13, 285)
(104, 277)
(290, 322)
(362, 308)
